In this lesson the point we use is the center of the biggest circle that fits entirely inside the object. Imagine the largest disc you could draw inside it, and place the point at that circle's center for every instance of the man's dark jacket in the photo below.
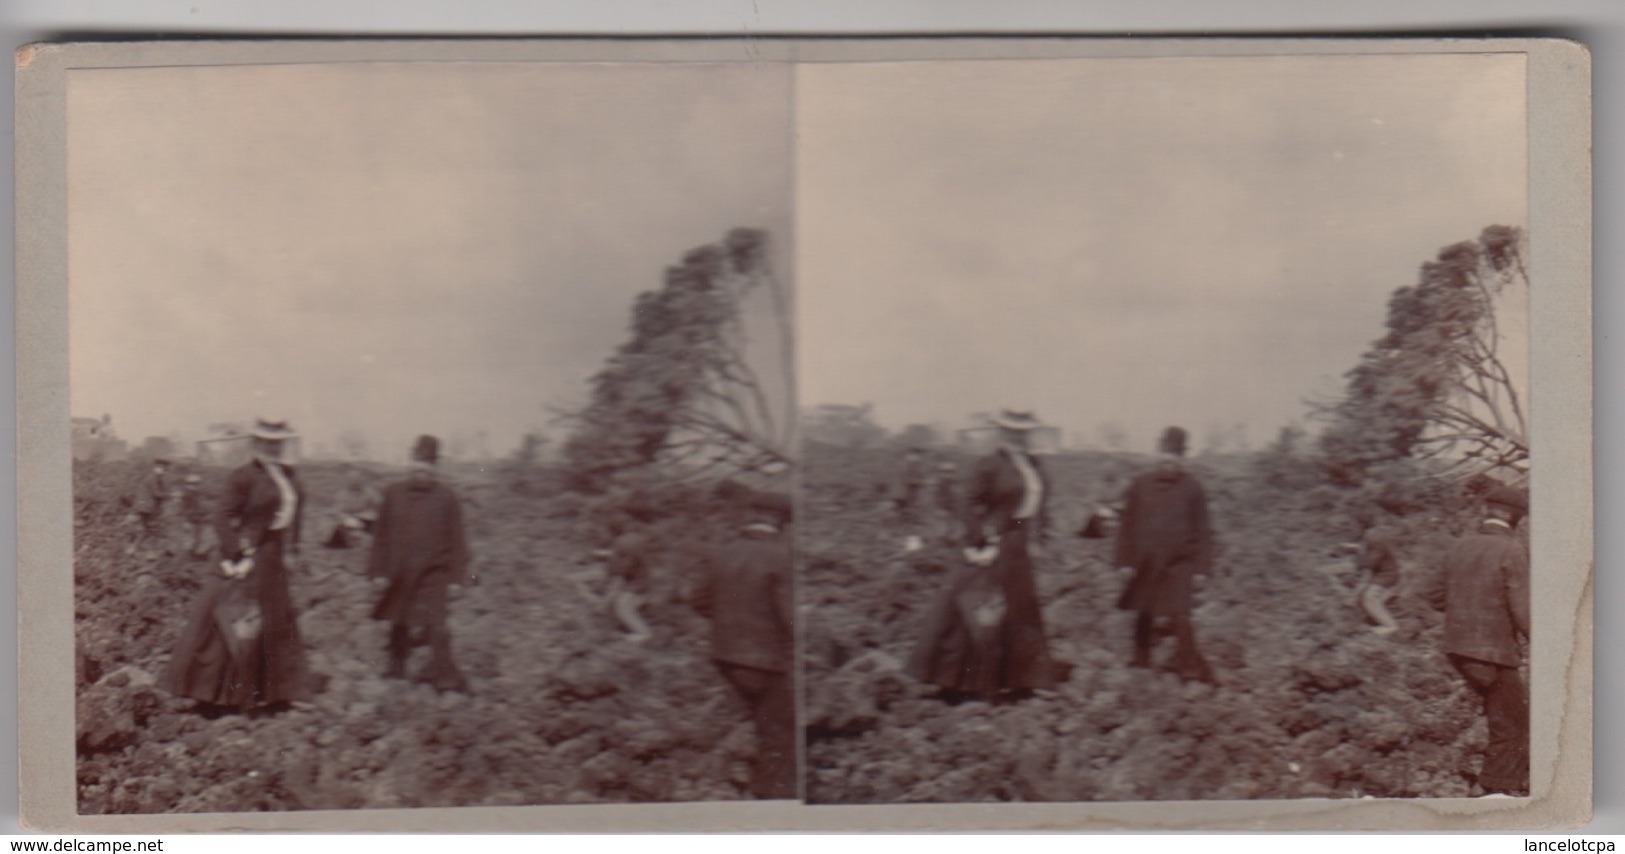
(1487, 600)
(1164, 536)
(419, 545)
(747, 595)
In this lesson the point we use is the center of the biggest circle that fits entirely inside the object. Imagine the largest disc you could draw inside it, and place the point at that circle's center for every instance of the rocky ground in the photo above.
(563, 709)
(1310, 702)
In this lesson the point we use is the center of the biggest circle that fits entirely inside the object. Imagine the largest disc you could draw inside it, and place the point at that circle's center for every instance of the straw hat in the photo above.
(275, 431)
(1012, 419)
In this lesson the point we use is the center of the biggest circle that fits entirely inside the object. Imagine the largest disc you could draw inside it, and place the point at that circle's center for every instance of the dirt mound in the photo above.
(563, 709)
(1310, 702)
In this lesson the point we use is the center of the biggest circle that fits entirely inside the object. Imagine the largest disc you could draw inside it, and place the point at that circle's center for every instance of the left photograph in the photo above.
(434, 435)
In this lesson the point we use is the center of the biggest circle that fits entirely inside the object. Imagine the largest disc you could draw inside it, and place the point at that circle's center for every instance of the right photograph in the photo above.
(1164, 428)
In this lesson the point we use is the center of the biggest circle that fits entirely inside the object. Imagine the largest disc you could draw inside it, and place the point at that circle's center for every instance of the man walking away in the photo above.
(1486, 612)
(1164, 539)
(419, 547)
(747, 596)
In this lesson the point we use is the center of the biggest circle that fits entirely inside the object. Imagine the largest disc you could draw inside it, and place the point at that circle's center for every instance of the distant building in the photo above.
(94, 439)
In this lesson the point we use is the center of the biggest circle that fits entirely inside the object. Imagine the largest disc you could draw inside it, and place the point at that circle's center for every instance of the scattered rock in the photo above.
(551, 684)
(1300, 679)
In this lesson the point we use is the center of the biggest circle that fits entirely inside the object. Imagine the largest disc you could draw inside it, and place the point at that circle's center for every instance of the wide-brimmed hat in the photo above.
(264, 428)
(1015, 419)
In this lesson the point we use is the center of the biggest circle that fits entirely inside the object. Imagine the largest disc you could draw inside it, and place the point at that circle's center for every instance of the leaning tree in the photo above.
(687, 393)
(1437, 386)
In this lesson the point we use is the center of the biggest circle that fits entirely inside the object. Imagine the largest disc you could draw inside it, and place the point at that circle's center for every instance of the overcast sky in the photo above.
(1142, 241)
(449, 248)
(394, 248)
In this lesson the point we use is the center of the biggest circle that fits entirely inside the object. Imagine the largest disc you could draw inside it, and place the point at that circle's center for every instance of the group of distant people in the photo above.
(147, 504)
(984, 638)
(241, 649)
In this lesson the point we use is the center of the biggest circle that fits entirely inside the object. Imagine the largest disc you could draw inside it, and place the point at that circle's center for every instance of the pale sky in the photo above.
(394, 248)
(1142, 241)
(449, 248)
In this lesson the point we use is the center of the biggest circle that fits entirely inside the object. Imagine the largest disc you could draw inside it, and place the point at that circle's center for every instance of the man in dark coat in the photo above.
(1165, 540)
(947, 500)
(1486, 612)
(147, 505)
(195, 510)
(420, 548)
(911, 502)
(747, 595)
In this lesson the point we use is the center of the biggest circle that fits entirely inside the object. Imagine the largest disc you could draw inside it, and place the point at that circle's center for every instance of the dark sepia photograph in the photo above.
(433, 435)
(804, 434)
(1165, 428)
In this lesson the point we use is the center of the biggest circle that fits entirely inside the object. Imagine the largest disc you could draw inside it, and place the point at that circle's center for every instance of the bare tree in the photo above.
(1436, 386)
(684, 393)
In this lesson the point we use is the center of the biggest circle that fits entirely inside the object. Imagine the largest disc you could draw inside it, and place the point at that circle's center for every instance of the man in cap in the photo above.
(911, 494)
(194, 509)
(147, 505)
(1486, 612)
(420, 548)
(1165, 540)
(747, 595)
(947, 499)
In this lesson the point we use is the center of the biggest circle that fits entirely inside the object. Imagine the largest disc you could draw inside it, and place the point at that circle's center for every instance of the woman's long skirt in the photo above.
(271, 668)
(955, 655)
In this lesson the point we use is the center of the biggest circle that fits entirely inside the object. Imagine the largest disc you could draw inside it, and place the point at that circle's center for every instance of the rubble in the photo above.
(562, 709)
(1303, 684)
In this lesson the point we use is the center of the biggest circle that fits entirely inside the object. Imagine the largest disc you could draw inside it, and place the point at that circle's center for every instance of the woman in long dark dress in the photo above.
(985, 633)
(242, 647)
